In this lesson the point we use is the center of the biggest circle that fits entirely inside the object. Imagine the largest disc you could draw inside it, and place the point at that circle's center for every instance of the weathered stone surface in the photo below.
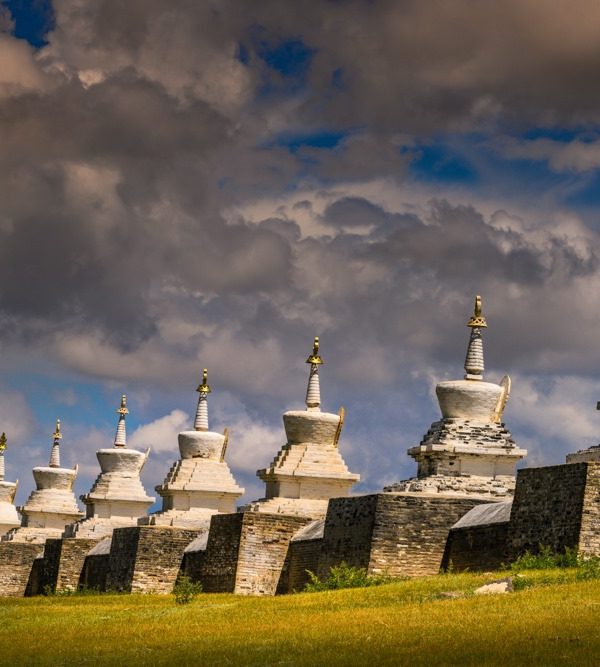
(464, 457)
(62, 564)
(589, 455)
(146, 559)
(478, 540)
(246, 551)
(495, 587)
(193, 557)
(557, 507)
(304, 553)
(95, 567)
(16, 561)
(394, 534)
(476, 548)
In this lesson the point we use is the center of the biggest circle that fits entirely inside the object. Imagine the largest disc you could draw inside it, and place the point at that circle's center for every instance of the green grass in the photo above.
(552, 620)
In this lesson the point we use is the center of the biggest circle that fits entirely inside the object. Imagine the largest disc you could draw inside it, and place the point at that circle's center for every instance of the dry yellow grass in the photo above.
(405, 623)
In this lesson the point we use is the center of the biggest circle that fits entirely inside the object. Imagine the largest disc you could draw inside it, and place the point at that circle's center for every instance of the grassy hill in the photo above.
(552, 619)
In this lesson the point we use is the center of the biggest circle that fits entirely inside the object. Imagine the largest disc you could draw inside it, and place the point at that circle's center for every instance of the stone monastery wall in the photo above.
(146, 559)
(476, 548)
(246, 552)
(558, 507)
(388, 533)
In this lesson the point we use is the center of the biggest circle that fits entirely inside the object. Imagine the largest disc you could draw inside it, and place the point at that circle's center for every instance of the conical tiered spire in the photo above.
(121, 435)
(313, 391)
(2, 448)
(474, 364)
(55, 453)
(201, 420)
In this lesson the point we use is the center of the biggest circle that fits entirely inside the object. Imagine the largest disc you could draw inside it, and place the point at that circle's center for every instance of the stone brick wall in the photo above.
(476, 548)
(589, 539)
(221, 556)
(246, 551)
(348, 532)
(72, 559)
(49, 566)
(388, 533)
(16, 560)
(35, 577)
(193, 562)
(302, 555)
(548, 508)
(95, 572)
(146, 559)
(62, 564)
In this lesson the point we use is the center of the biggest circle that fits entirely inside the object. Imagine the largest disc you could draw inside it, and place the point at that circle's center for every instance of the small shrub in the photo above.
(344, 576)
(185, 590)
(546, 559)
(588, 568)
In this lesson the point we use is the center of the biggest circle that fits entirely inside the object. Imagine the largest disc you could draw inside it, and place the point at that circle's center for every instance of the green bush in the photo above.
(344, 576)
(185, 590)
(546, 559)
(587, 567)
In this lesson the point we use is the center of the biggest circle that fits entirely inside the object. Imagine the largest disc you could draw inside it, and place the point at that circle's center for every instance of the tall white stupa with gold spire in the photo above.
(8, 512)
(52, 504)
(117, 497)
(469, 451)
(200, 483)
(308, 470)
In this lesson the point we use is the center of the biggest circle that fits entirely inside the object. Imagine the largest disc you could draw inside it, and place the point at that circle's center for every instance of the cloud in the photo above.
(161, 434)
(16, 418)
(573, 156)
(174, 196)
(20, 73)
(559, 410)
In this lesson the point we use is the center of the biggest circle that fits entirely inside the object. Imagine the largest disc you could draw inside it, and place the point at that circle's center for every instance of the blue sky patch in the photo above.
(33, 19)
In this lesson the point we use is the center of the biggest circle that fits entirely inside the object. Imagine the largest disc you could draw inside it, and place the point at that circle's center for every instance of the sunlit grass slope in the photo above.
(405, 623)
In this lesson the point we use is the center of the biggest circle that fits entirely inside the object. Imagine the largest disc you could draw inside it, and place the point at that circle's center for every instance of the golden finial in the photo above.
(315, 357)
(57, 435)
(478, 320)
(204, 388)
(2, 442)
(123, 409)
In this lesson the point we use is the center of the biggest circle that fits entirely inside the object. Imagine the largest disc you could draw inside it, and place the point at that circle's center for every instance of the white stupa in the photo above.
(117, 498)
(8, 512)
(200, 483)
(309, 469)
(52, 504)
(469, 451)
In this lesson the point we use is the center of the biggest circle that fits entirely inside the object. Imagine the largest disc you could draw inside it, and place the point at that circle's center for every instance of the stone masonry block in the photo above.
(391, 533)
(246, 552)
(558, 507)
(16, 560)
(146, 559)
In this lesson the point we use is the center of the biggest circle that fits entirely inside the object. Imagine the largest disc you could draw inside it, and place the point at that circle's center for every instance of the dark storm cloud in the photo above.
(145, 122)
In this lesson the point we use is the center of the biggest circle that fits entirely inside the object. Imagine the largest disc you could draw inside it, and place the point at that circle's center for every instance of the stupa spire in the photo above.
(55, 453)
(313, 391)
(201, 420)
(121, 435)
(2, 448)
(474, 363)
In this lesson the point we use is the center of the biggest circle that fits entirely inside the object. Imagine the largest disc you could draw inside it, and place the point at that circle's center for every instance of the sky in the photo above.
(211, 184)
